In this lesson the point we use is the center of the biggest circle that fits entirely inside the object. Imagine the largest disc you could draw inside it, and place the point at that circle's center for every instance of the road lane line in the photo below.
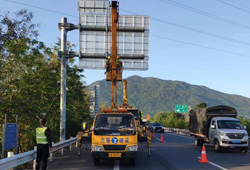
(117, 165)
(160, 140)
(218, 166)
(180, 136)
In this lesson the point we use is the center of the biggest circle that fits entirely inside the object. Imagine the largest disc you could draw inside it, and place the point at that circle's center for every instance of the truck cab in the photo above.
(114, 136)
(228, 132)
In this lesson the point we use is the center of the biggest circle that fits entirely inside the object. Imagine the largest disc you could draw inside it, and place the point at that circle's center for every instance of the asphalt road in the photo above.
(177, 152)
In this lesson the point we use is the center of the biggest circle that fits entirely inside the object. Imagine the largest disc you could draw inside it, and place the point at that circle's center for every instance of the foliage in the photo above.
(152, 95)
(171, 120)
(245, 122)
(30, 82)
(201, 105)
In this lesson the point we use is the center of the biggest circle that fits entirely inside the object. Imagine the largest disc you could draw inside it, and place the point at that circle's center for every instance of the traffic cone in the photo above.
(203, 156)
(162, 140)
(153, 135)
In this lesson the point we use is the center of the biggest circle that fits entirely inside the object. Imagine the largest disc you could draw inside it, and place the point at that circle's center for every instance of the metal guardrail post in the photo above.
(51, 154)
(34, 161)
(62, 150)
(70, 146)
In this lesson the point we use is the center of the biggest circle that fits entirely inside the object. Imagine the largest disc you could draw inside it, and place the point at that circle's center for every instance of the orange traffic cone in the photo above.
(153, 135)
(203, 155)
(162, 140)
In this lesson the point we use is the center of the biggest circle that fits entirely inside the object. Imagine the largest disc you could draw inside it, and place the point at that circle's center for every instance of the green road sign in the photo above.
(181, 108)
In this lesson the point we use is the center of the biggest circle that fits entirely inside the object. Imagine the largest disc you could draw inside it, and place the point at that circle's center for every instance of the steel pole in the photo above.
(4, 133)
(63, 81)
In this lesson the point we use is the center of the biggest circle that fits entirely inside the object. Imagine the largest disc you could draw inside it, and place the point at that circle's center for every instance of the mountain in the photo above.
(152, 95)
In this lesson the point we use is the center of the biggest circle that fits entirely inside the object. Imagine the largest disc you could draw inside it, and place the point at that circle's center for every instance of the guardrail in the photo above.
(178, 131)
(25, 157)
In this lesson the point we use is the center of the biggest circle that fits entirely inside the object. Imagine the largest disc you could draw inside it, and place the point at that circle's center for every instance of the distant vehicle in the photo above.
(156, 127)
(219, 126)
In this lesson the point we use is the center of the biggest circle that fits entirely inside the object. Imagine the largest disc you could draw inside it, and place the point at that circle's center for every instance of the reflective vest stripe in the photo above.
(40, 136)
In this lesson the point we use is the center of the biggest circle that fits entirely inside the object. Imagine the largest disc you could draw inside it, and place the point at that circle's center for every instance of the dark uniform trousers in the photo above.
(42, 154)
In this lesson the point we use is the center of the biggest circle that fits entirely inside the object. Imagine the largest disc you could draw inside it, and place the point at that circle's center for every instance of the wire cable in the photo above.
(205, 13)
(197, 45)
(234, 6)
(194, 30)
(44, 9)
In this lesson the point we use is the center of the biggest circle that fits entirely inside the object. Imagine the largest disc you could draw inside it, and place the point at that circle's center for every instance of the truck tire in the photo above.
(97, 161)
(198, 142)
(244, 149)
(217, 146)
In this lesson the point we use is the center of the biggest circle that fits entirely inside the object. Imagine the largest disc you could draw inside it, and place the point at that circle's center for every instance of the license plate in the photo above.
(236, 141)
(115, 155)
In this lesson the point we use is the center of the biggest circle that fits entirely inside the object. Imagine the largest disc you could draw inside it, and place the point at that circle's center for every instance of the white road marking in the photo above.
(117, 165)
(181, 136)
(160, 140)
(218, 166)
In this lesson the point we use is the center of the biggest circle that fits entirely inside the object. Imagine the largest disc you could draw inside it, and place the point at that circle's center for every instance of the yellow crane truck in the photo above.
(114, 136)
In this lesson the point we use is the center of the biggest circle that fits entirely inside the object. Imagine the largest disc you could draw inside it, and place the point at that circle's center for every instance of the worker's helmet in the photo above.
(141, 111)
(118, 57)
(109, 57)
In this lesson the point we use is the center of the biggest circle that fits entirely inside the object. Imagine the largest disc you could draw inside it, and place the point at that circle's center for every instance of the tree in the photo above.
(29, 82)
(201, 105)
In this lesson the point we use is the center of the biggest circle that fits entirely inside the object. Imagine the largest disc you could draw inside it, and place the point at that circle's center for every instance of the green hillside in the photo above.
(153, 95)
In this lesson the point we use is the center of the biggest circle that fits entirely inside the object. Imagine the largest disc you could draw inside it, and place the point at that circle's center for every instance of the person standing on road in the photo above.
(43, 142)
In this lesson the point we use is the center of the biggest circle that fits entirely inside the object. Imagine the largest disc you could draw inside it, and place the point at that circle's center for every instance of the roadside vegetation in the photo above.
(30, 82)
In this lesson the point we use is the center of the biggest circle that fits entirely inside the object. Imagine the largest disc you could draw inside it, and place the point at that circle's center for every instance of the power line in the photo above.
(234, 6)
(205, 13)
(165, 38)
(197, 45)
(194, 30)
(44, 9)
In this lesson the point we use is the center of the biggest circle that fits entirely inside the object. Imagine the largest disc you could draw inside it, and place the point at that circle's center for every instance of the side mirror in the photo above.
(244, 127)
(84, 126)
(212, 126)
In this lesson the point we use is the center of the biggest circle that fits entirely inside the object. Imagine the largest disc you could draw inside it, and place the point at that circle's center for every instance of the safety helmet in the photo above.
(109, 57)
(141, 111)
(118, 57)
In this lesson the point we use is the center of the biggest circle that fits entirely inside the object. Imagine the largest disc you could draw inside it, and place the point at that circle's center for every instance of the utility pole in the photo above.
(63, 80)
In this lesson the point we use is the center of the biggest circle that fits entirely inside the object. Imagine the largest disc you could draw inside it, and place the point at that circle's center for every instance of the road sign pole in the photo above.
(16, 150)
(4, 133)
(63, 80)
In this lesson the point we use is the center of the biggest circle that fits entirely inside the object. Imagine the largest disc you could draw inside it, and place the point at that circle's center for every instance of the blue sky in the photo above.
(201, 42)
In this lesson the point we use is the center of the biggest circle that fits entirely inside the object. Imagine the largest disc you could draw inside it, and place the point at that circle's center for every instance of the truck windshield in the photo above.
(229, 124)
(135, 113)
(114, 124)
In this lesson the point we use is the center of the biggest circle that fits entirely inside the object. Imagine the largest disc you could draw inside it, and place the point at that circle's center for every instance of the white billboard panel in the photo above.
(93, 6)
(99, 42)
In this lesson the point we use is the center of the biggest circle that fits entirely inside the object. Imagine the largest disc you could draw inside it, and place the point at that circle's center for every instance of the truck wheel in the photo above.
(97, 161)
(244, 150)
(217, 146)
(132, 161)
(198, 142)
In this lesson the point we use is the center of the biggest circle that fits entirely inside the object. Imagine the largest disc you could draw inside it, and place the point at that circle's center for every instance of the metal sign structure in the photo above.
(181, 108)
(98, 28)
(95, 44)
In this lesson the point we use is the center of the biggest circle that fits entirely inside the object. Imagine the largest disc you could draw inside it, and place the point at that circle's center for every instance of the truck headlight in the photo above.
(97, 148)
(132, 148)
(223, 134)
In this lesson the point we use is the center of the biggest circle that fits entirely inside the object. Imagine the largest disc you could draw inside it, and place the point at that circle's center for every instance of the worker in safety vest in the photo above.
(43, 142)
(108, 64)
(119, 64)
